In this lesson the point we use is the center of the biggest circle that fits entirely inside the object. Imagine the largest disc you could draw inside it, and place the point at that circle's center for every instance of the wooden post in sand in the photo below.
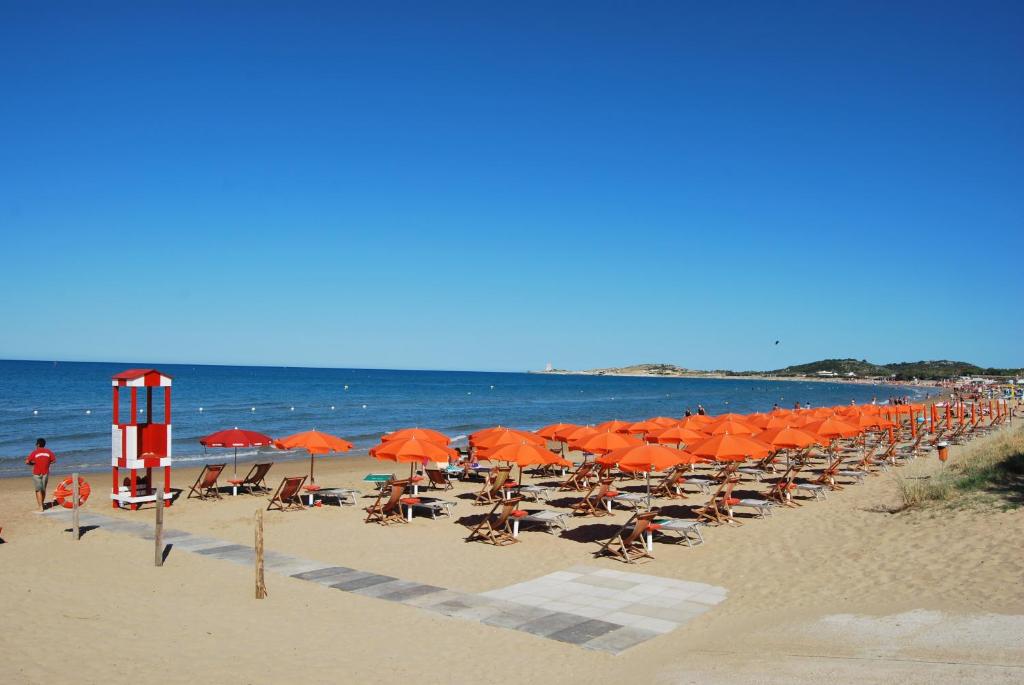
(74, 499)
(158, 533)
(261, 587)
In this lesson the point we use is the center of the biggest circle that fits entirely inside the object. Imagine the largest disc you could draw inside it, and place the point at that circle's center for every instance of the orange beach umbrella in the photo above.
(420, 433)
(730, 448)
(606, 442)
(551, 432)
(787, 438)
(674, 435)
(315, 443)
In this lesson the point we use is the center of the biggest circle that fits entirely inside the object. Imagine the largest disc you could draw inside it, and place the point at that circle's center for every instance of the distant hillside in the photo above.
(924, 370)
(840, 366)
(643, 369)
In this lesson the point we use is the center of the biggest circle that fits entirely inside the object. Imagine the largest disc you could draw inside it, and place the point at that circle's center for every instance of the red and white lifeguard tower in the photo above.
(138, 444)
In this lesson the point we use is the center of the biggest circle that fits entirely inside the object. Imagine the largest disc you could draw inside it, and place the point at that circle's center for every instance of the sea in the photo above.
(69, 403)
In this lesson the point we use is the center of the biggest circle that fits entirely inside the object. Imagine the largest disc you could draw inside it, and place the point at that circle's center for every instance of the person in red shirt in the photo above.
(40, 460)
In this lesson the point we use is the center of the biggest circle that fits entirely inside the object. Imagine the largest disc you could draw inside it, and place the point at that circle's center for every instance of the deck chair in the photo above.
(580, 478)
(496, 480)
(630, 546)
(596, 501)
(387, 508)
(827, 477)
(782, 489)
(438, 479)
(671, 484)
(254, 480)
(205, 486)
(716, 511)
(495, 529)
(288, 495)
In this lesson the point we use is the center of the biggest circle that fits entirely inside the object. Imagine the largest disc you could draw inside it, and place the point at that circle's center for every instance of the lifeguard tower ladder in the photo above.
(139, 445)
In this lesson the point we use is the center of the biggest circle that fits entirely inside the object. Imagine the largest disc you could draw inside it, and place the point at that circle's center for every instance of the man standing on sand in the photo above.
(40, 460)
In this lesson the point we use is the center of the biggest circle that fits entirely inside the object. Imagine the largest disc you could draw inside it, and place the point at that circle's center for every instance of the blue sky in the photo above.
(483, 186)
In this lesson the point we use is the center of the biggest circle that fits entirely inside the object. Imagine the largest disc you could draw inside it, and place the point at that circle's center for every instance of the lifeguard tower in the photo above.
(137, 445)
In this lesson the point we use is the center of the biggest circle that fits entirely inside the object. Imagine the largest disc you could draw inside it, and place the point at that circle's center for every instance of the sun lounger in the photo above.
(762, 507)
(628, 543)
(633, 500)
(495, 528)
(545, 518)
(430, 505)
(287, 496)
(684, 530)
(254, 480)
(536, 492)
(205, 486)
(345, 496)
(389, 510)
(817, 489)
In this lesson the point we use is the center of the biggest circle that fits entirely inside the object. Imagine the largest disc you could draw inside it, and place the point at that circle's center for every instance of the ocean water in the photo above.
(69, 403)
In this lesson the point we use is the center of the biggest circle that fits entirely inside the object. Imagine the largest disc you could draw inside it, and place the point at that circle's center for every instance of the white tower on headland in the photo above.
(549, 367)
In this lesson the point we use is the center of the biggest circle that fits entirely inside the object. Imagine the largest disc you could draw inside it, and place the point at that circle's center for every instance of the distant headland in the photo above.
(826, 369)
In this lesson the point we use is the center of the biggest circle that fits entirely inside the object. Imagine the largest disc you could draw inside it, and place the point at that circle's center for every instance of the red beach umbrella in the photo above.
(236, 437)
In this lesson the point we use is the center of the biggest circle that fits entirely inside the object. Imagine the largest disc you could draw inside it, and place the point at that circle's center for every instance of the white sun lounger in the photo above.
(682, 529)
(816, 489)
(634, 500)
(536, 492)
(705, 484)
(435, 507)
(345, 496)
(546, 518)
(762, 507)
(853, 473)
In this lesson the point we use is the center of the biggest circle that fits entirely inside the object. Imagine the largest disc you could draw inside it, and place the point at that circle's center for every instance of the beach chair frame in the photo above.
(206, 486)
(288, 495)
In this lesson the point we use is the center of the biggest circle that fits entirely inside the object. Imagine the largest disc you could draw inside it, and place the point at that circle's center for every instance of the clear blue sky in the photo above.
(499, 185)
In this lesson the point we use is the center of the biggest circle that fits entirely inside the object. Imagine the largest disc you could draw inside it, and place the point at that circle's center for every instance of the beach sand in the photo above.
(839, 589)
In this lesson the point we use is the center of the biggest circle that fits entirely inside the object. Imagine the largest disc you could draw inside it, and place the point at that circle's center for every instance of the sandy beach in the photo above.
(837, 589)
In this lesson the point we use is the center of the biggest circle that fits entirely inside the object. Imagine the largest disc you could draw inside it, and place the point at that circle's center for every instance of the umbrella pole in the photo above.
(648, 489)
(236, 463)
(311, 479)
